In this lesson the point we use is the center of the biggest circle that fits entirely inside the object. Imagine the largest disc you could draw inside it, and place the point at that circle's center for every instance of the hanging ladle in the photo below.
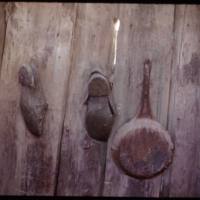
(142, 148)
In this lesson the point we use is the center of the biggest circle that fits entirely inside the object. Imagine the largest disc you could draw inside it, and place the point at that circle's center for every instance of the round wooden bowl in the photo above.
(142, 148)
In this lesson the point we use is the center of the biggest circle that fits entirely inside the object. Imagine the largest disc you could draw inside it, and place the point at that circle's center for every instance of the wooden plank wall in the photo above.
(40, 32)
(139, 40)
(92, 48)
(184, 112)
(68, 42)
(3, 29)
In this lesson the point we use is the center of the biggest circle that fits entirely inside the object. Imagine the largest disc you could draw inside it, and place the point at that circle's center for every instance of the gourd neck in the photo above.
(145, 111)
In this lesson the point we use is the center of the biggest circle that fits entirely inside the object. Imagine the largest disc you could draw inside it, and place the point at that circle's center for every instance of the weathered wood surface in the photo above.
(68, 42)
(146, 32)
(41, 33)
(184, 114)
(2, 30)
(82, 163)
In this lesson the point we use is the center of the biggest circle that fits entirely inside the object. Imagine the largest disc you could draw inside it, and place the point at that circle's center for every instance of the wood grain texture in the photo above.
(2, 30)
(146, 32)
(184, 115)
(39, 33)
(70, 41)
(82, 162)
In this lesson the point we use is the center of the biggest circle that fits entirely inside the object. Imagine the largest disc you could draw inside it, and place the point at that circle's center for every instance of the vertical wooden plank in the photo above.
(82, 162)
(146, 31)
(40, 32)
(2, 30)
(184, 118)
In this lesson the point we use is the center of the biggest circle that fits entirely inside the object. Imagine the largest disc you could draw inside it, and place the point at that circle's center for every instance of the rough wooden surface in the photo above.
(2, 30)
(68, 42)
(146, 32)
(82, 162)
(184, 116)
(41, 33)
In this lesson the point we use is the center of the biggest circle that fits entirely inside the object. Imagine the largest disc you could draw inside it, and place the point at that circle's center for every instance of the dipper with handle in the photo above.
(142, 148)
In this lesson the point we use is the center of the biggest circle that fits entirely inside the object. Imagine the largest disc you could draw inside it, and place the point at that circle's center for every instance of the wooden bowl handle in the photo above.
(145, 111)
